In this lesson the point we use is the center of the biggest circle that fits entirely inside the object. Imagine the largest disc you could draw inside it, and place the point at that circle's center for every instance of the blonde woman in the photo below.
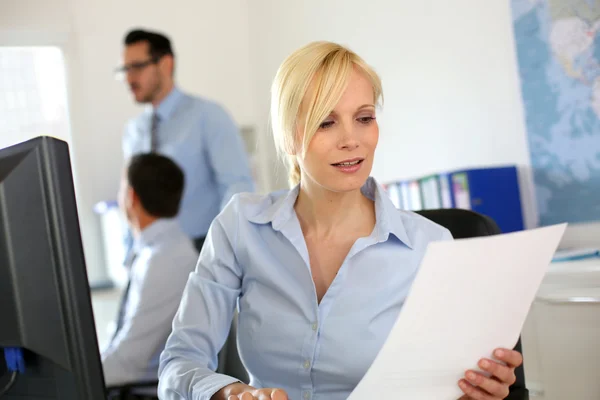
(319, 272)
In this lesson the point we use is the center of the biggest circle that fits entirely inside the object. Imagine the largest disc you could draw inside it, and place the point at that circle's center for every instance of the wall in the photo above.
(24, 17)
(449, 75)
(35, 23)
(451, 84)
(210, 39)
(449, 69)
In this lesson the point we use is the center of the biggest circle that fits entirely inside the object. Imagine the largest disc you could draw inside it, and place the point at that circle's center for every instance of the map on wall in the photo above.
(558, 50)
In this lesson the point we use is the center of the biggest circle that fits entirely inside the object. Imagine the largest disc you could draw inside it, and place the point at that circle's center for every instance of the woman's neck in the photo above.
(324, 213)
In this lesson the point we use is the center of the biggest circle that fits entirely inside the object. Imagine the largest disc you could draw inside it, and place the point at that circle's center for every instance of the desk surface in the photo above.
(584, 274)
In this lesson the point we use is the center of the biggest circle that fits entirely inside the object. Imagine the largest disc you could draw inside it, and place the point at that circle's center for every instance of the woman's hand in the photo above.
(477, 386)
(240, 391)
(260, 394)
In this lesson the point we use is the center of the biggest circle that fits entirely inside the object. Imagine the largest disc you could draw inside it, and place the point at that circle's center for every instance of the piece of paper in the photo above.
(470, 297)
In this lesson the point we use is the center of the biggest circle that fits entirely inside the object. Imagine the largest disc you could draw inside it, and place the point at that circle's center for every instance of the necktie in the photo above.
(154, 133)
(123, 303)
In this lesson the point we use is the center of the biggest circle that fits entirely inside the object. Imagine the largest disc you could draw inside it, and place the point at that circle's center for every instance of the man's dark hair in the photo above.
(159, 45)
(158, 182)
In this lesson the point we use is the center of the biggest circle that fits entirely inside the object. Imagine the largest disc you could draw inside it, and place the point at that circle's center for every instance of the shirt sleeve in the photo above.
(202, 323)
(147, 324)
(226, 154)
(127, 141)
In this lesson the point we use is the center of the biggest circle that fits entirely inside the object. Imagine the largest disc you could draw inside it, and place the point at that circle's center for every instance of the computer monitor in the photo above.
(45, 305)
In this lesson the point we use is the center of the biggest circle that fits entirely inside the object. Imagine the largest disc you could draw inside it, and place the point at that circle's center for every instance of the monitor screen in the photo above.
(45, 305)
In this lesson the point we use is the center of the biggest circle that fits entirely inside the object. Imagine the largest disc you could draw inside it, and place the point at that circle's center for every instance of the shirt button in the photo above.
(307, 364)
(315, 326)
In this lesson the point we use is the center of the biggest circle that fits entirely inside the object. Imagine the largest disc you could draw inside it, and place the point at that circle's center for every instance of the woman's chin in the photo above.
(346, 184)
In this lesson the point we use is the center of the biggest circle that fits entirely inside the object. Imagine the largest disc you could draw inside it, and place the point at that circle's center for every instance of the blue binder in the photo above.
(490, 191)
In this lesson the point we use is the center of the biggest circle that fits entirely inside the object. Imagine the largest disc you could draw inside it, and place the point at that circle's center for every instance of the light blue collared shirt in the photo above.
(204, 141)
(255, 258)
(165, 256)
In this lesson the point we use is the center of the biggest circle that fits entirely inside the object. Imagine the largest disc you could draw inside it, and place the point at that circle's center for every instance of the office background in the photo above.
(453, 94)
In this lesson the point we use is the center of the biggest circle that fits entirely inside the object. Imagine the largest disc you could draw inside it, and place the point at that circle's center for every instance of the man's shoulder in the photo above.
(198, 100)
(204, 106)
(177, 249)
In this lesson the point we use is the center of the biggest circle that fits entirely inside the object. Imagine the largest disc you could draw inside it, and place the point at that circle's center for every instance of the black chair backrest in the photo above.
(134, 390)
(465, 224)
(462, 223)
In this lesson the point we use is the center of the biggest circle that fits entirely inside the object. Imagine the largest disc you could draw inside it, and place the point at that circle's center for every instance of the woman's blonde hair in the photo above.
(326, 66)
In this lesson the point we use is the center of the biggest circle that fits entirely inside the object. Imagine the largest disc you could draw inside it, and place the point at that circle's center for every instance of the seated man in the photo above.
(162, 258)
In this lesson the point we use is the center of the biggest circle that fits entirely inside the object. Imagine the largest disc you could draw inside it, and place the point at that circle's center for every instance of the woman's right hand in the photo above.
(260, 394)
(240, 391)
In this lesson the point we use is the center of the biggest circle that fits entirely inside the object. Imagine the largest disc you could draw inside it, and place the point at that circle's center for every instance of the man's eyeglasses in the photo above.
(134, 67)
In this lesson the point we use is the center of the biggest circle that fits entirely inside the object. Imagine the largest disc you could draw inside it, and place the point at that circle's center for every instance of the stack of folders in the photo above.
(490, 191)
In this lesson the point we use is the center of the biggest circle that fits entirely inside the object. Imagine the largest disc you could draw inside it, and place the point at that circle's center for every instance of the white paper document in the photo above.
(470, 297)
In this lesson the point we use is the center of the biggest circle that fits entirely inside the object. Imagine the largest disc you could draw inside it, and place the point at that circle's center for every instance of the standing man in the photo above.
(198, 134)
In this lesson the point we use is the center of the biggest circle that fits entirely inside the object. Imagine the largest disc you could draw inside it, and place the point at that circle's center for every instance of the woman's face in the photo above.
(340, 155)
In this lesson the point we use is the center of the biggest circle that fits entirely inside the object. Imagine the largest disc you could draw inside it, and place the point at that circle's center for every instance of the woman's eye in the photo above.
(366, 120)
(326, 124)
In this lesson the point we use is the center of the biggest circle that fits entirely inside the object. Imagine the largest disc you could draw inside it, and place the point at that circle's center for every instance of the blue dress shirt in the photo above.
(256, 258)
(204, 141)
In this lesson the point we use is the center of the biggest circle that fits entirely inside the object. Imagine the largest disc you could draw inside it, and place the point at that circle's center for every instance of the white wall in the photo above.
(450, 76)
(35, 23)
(24, 16)
(449, 71)
(448, 68)
(210, 39)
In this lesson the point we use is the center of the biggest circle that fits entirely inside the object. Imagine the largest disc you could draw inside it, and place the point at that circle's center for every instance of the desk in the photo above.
(561, 336)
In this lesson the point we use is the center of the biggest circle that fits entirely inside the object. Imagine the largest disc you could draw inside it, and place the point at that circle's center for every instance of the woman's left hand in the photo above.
(477, 386)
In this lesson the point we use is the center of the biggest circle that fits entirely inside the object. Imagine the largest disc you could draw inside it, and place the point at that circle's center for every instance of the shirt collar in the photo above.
(154, 232)
(279, 210)
(165, 108)
(388, 218)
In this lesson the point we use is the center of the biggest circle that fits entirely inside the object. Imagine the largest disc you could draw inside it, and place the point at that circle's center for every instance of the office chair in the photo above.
(462, 224)
(133, 391)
